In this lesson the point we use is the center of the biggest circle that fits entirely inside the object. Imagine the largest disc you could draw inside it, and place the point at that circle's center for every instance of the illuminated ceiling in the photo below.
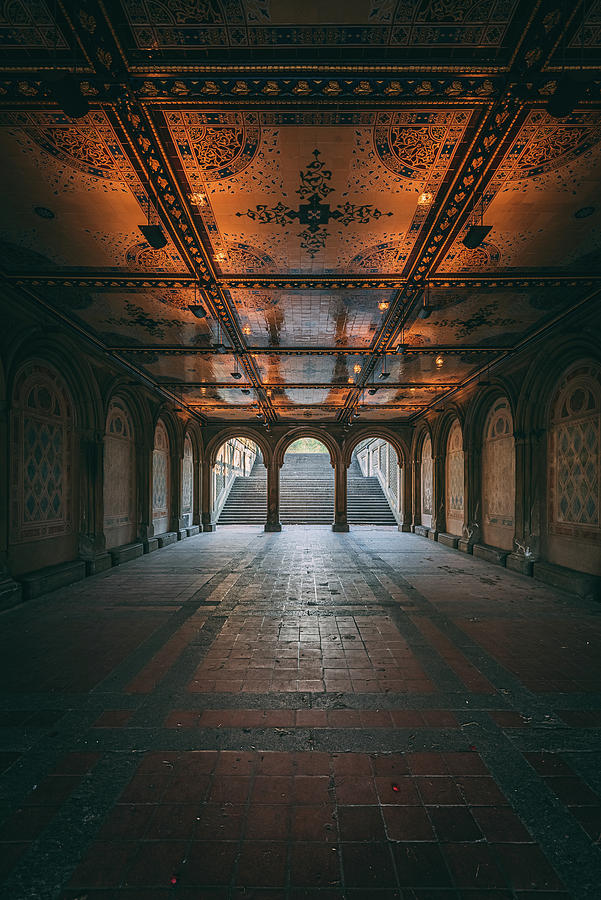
(314, 168)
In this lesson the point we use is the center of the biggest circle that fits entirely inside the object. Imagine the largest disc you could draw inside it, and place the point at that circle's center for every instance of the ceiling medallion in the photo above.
(314, 213)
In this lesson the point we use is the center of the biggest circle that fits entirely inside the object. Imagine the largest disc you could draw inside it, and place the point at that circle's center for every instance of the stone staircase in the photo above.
(306, 495)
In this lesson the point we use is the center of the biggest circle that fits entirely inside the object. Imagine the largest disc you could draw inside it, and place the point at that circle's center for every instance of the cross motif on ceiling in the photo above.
(314, 213)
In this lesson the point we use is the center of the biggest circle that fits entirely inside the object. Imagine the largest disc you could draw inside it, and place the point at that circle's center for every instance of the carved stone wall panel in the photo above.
(120, 516)
(498, 477)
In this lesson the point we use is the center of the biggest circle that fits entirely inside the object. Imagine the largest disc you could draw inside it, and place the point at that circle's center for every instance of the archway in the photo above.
(375, 483)
(307, 483)
(238, 485)
(455, 480)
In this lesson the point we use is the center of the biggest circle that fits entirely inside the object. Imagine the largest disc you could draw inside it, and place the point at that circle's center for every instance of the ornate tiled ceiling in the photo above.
(313, 168)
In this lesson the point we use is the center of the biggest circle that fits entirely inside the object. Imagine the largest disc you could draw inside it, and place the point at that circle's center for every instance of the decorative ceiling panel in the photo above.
(344, 318)
(308, 397)
(139, 316)
(211, 396)
(239, 28)
(307, 369)
(310, 198)
(183, 367)
(72, 198)
(308, 414)
(488, 316)
(543, 201)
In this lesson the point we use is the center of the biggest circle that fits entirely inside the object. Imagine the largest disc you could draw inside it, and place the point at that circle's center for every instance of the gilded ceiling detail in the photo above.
(311, 193)
(194, 23)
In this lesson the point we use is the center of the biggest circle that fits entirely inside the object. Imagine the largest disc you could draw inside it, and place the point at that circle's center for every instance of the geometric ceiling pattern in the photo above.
(314, 169)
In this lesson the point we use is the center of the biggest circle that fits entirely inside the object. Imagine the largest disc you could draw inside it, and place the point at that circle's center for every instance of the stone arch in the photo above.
(58, 352)
(120, 522)
(478, 410)
(137, 405)
(377, 431)
(542, 378)
(231, 432)
(295, 434)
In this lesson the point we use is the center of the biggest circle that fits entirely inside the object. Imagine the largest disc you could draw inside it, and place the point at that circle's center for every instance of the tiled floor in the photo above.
(301, 715)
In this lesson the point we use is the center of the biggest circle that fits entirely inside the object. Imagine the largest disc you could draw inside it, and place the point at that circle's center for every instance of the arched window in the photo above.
(455, 502)
(120, 523)
(160, 479)
(575, 454)
(426, 479)
(42, 437)
(187, 480)
(498, 477)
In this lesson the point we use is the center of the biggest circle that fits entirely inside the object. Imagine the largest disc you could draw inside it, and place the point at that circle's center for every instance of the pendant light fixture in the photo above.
(197, 309)
(476, 234)
(152, 233)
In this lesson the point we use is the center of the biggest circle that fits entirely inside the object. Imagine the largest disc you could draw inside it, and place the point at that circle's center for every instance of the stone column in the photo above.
(472, 530)
(177, 522)
(10, 590)
(416, 485)
(92, 544)
(273, 498)
(438, 519)
(196, 493)
(144, 456)
(406, 489)
(340, 498)
(530, 472)
(208, 521)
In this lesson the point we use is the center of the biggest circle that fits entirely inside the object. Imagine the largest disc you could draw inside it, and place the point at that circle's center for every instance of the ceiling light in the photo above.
(198, 311)
(566, 98)
(438, 362)
(383, 305)
(66, 92)
(219, 348)
(245, 390)
(236, 375)
(154, 236)
(356, 368)
(259, 415)
(246, 329)
(350, 380)
(221, 256)
(269, 392)
(475, 235)
(372, 391)
(424, 198)
(197, 198)
(356, 413)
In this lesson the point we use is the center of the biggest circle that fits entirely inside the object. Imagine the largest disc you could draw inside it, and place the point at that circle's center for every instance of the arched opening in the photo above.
(455, 480)
(119, 483)
(427, 483)
(307, 484)
(239, 483)
(188, 482)
(498, 477)
(374, 484)
(574, 470)
(161, 480)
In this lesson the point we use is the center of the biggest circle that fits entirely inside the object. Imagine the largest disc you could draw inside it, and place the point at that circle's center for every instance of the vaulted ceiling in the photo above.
(314, 167)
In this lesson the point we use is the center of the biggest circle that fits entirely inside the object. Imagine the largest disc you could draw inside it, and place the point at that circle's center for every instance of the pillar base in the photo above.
(273, 526)
(339, 526)
(209, 526)
(406, 528)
